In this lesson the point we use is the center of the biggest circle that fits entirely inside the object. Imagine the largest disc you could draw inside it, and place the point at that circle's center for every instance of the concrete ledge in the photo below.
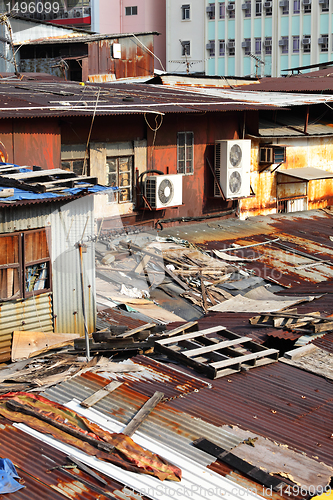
(300, 352)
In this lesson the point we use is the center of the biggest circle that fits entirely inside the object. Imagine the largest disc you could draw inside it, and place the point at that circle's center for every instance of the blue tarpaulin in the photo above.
(8, 475)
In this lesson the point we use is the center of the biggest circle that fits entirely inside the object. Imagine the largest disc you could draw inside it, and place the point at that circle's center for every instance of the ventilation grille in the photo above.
(217, 167)
(151, 190)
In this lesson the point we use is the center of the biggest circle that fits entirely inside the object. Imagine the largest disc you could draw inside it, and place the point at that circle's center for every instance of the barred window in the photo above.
(185, 143)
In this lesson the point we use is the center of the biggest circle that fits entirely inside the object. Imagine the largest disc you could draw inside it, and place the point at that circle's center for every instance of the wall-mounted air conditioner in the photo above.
(268, 5)
(267, 43)
(246, 5)
(306, 2)
(284, 3)
(164, 191)
(306, 41)
(210, 9)
(77, 12)
(283, 42)
(231, 6)
(246, 44)
(232, 168)
(210, 45)
(322, 41)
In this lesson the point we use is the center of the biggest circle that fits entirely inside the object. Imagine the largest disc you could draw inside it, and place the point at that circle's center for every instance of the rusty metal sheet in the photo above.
(325, 342)
(35, 461)
(281, 402)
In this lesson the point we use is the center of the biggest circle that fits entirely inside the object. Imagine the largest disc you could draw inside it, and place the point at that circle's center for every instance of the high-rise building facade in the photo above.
(249, 37)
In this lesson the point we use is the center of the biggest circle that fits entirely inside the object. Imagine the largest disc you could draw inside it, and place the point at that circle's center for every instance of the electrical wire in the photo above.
(84, 169)
(158, 126)
(152, 53)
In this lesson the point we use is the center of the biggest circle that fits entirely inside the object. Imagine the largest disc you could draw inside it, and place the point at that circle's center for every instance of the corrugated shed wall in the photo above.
(33, 314)
(69, 224)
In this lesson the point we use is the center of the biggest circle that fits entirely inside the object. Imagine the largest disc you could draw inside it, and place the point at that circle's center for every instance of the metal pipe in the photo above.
(80, 245)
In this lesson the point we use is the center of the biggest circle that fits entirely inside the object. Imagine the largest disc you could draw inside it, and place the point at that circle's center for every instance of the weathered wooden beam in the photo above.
(102, 393)
(143, 413)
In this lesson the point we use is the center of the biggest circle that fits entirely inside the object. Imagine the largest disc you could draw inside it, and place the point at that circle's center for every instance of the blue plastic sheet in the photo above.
(8, 475)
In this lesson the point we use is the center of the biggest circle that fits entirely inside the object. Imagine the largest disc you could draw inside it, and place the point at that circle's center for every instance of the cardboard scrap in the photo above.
(27, 343)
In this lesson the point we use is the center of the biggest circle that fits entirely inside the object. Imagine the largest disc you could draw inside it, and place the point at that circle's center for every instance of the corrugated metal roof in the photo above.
(309, 83)
(83, 38)
(278, 401)
(325, 342)
(307, 232)
(307, 173)
(31, 99)
(35, 461)
(170, 427)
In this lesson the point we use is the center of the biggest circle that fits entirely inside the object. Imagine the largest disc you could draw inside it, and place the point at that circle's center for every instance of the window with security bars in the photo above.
(185, 144)
(186, 47)
(296, 44)
(325, 6)
(323, 42)
(257, 46)
(258, 8)
(221, 48)
(25, 264)
(120, 174)
(221, 10)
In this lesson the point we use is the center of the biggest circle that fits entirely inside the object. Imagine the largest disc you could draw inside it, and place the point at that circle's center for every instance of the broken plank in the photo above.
(102, 393)
(204, 295)
(215, 347)
(143, 413)
(192, 335)
(181, 328)
(243, 359)
(140, 268)
(41, 173)
(129, 333)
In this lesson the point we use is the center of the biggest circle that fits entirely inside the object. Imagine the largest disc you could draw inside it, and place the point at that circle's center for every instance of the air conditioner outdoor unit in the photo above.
(230, 45)
(246, 6)
(306, 41)
(282, 43)
(210, 9)
(86, 11)
(321, 2)
(267, 43)
(283, 3)
(231, 6)
(210, 46)
(322, 41)
(232, 168)
(164, 191)
(77, 13)
(306, 2)
(245, 45)
(268, 5)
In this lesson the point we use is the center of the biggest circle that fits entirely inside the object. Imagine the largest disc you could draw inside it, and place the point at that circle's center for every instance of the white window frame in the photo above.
(188, 143)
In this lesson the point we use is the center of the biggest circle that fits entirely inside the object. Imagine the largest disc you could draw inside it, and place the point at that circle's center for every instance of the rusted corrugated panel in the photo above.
(325, 342)
(301, 83)
(115, 317)
(33, 314)
(278, 401)
(35, 462)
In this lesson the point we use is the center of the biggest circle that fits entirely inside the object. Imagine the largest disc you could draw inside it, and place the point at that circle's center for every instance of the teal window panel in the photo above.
(284, 26)
(211, 30)
(246, 66)
(323, 57)
(247, 28)
(211, 66)
(221, 66)
(284, 63)
(231, 29)
(268, 26)
(295, 25)
(220, 30)
(323, 23)
(306, 24)
(230, 66)
(306, 59)
(257, 26)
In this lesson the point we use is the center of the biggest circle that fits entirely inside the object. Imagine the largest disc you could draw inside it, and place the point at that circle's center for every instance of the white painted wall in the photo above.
(192, 30)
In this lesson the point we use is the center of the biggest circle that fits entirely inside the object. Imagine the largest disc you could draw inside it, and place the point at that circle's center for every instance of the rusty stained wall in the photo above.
(197, 187)
(31, 142)
(302, 152)
(135, 59)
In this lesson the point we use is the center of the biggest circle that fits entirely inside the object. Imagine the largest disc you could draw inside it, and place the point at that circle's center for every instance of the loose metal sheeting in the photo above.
(197, 481)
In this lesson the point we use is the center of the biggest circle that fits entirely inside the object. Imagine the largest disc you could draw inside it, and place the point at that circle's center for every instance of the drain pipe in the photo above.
(81, 248)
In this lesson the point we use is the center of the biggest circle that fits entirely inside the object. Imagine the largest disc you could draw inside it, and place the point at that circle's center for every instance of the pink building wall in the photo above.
(109, 17)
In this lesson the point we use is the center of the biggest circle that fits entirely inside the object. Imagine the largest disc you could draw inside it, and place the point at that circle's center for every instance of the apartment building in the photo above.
(251, 37)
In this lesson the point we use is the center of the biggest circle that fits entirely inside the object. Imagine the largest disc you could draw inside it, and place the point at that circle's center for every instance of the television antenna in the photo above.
(257, 62)
(187, 62)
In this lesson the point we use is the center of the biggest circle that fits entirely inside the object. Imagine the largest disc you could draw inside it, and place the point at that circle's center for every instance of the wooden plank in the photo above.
(142, 264)
(215, 347)
(97, 396)
(143, 413)
(181, 328)
(231, 249)
(26, 343)
(242, 359)
(190, 335)
(40, 173)
(204, 295)
(129, 333)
